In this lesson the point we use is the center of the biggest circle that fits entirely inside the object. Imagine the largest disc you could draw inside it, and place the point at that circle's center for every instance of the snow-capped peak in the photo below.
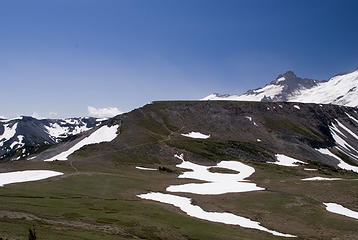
(280, 89)
(341, 90)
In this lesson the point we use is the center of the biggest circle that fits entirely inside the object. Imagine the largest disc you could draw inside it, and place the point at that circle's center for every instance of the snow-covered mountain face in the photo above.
(341, 90)
(22, 136)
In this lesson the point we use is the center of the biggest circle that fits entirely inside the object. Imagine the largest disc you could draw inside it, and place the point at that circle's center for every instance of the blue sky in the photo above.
(61, 56)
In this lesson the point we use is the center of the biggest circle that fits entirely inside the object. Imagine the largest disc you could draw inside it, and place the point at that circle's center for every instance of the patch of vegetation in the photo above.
(222, 170)
(346, 158)
(165, 169)
(274, 124)
(154, 126)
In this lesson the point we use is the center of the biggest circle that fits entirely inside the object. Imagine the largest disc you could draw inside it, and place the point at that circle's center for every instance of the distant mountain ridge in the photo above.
(341, 89)
(22, 136)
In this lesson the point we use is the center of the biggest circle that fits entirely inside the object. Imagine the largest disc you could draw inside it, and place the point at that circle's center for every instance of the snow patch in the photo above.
(196, 135)
(339, 209)
(347, 129)
(9, 132)
(20, 142)
(320, 179)
(284, 160)
(103, 134)
(216, 183)
(146, 169)
(280, 79)
(352, 118)
(297, 107)
(250, 118)
(181, 156)
(186, 206)
(26, 176)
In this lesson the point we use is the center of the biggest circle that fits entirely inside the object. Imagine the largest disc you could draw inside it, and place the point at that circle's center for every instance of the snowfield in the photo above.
(186, 206)
(195, 135)
(103, 134)
(340, 90)
(284, 160)
(339, 209)
(26, 176)
(216, 183)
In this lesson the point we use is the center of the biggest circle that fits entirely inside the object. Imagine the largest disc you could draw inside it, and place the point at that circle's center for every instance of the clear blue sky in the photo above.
(64, 55)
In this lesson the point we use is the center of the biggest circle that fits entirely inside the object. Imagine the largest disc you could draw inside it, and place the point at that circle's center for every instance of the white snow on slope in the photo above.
(341, 143)
(284, 160)
(186, 206)
(146, 169)
(20, 142)
(339, 209)
(11, 119)
(8, 133)
(352, 118)
(297, 107)
(340, 90)
(103, 134)
(250, 119)
(26, 176)
(310, 169)
(347, 129)
(320, 179)
(280, 79)
(196, 135)
(341, 164)
(257, 95)
(57, 131)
